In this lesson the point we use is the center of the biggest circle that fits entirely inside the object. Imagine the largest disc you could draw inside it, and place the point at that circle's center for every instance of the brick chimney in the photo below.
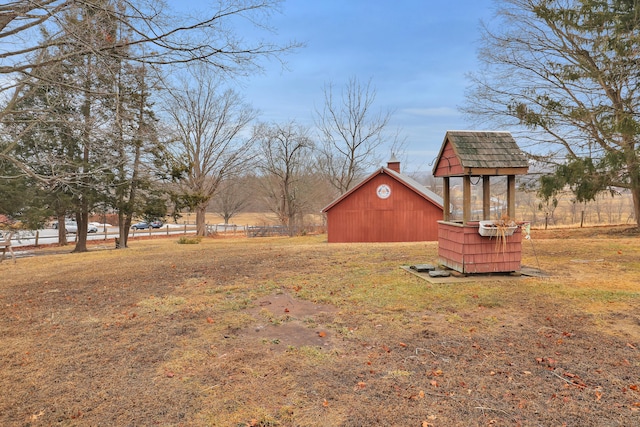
(393, 163)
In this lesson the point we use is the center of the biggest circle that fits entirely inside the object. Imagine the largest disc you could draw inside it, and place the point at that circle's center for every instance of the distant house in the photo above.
(387, 206)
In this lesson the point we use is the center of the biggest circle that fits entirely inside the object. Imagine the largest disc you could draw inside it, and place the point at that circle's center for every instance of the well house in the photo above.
(489, 245)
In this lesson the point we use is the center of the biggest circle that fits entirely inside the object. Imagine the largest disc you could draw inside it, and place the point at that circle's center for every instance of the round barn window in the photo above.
(383, 191)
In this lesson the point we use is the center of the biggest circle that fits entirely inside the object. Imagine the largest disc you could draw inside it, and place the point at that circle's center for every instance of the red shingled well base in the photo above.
(463, 249)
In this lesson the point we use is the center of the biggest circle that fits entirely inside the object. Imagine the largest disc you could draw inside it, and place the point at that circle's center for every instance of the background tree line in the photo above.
(124, 106)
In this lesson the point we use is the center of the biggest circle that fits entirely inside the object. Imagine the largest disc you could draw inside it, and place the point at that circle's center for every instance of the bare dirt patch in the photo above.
(282, 320)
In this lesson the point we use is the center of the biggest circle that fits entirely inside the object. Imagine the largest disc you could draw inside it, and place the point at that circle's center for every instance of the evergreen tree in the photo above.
(567, 70)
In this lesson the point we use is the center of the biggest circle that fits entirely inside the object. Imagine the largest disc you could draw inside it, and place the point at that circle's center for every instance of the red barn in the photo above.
(385, 207)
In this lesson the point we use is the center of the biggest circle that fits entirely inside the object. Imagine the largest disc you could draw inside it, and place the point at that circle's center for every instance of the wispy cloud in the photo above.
(432, 112)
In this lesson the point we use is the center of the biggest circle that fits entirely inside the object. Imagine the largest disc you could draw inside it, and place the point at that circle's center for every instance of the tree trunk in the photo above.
(635, 192)
(292, 224)
(633, 168)
(82, 220)
(82, 216)
(634, 173)
(124, 225)
(201, 226)
(125, 209)
(62, 230)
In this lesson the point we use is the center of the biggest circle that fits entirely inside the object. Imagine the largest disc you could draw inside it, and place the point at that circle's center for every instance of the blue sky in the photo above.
(416, 53)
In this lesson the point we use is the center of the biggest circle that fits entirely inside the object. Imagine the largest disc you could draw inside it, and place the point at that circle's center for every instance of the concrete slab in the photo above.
(456, 277)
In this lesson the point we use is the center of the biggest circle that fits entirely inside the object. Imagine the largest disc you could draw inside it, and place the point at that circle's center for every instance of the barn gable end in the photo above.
(387, 206)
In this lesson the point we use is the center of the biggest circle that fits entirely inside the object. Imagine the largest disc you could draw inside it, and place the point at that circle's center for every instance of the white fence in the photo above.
(49, 236)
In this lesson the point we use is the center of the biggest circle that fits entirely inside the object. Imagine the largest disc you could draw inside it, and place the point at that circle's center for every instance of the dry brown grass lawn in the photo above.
(296, 332)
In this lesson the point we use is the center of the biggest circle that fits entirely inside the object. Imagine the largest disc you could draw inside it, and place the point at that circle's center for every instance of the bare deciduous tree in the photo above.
(155, 35)
(351, 133)
(209, 123)
(168, 37)
(233, 196)
(286, 167)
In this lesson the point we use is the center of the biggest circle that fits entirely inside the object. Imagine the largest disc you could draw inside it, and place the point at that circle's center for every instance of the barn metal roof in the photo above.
(416, 186)
(485, 153)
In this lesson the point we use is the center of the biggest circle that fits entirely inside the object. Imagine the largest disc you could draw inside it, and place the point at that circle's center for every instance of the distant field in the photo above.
(255, 218)
(245, 218)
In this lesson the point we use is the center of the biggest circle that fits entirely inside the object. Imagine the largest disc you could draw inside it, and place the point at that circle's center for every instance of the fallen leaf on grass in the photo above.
(322, 334)
(325, 403)
(210, 320)
(428, 424)
(170, 374)
(35, 417)
(633, 387)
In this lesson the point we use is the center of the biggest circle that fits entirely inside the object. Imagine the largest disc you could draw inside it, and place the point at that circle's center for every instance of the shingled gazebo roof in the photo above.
(479, 153)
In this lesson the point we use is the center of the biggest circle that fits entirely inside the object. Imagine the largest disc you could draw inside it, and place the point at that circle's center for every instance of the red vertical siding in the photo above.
(404, 216)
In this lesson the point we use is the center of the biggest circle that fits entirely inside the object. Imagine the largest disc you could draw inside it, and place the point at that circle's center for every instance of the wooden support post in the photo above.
(446, 199)
(511, 196)
(486, 197)
(466, 199)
